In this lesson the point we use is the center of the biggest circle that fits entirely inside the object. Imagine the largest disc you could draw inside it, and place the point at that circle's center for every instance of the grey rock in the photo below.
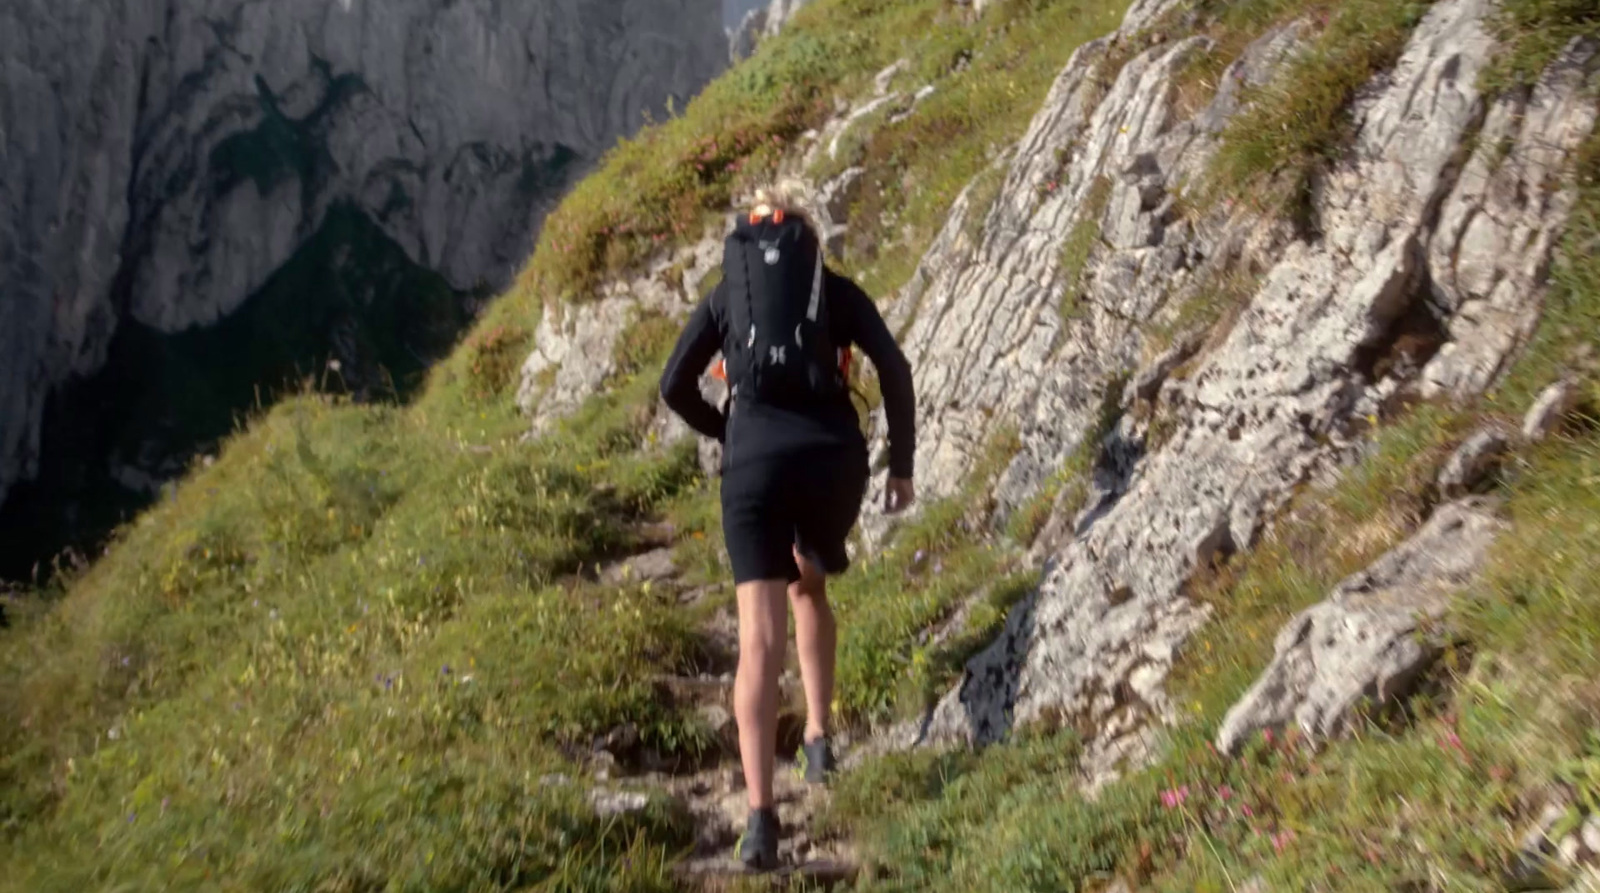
(161, 159)
(1472, 463)
(654, 565)
(759, 24)
(615, 803)
(1490, 254)
(575, 345)
(1146, 385)
(719, 721)
(984, 329)
(1142, 14)
(1537, 838)
(1591, 835)
(1367, 641)
(1549, 409)
(1265, 409)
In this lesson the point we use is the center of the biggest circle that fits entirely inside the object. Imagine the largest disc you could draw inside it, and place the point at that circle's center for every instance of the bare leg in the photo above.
(763, 633)
(816, 637)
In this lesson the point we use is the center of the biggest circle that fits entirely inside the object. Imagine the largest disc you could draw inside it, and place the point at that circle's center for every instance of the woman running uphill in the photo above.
(794, 467)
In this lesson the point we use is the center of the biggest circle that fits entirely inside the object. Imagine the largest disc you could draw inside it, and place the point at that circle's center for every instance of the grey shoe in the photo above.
(758, 847)
(818, 757)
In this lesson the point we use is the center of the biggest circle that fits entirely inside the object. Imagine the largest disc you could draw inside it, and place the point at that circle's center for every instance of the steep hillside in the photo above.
(202, 202)
(1255, 360)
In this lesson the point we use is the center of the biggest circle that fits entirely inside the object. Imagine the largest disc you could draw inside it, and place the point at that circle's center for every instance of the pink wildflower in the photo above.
(1248, 812)
(1225, 792)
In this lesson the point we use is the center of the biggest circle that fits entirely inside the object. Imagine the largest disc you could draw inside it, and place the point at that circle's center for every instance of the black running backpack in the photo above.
(778, 347)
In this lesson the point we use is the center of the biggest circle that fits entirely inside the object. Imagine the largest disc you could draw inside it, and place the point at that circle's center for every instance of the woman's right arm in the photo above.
(680, 380)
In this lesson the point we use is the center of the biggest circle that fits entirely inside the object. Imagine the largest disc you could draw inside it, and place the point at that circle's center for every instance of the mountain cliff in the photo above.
(163, 161)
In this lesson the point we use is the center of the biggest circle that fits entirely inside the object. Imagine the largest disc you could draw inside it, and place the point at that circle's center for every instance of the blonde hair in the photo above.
(789, 195)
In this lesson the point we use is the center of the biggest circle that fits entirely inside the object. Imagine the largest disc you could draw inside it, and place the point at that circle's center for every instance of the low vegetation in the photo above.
(1299, 121)
(365, 648)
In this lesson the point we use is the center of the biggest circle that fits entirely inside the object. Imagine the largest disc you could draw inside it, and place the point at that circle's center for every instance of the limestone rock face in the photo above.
(1365, 642)
(159, 159)
(759, 24)
(1379, 299)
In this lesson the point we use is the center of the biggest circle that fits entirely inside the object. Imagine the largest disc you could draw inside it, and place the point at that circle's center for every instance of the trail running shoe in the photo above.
(817, 756)
(758, 847)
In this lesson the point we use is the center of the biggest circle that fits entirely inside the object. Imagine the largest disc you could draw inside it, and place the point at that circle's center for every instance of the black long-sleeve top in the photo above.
(763, 430)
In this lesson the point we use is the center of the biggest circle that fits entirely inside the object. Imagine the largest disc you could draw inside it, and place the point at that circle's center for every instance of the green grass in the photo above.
(1532, 33)
(934, 562)
(989, 80)
(1080, 243)
(1300, 121)
(344, 656)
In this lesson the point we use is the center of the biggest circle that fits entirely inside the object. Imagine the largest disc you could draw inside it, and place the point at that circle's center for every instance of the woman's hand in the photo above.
(898, 495)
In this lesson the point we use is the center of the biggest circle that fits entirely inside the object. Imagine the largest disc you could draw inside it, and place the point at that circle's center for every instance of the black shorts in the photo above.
(808, 500)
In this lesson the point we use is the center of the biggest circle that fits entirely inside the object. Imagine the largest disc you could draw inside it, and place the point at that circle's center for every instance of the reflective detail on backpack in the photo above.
(775, 355)
(797, 341)
(816, 288)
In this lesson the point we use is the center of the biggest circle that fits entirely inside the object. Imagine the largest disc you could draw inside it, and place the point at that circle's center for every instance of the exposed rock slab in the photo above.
(657, 564)
(1550, 409)
(759, 24)
(1492, 249)
(1472, 463)
(1269, 407)
(996, 332)
(575, 345)
(1367, 642)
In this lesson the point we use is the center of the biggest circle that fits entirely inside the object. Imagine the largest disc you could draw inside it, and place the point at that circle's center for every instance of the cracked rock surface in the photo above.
(1338, 324)
(1367, 641)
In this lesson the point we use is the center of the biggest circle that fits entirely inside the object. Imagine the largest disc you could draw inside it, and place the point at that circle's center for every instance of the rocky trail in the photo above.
(710, 789)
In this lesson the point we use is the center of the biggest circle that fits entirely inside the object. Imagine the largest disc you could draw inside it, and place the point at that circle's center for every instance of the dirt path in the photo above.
(713, 793)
